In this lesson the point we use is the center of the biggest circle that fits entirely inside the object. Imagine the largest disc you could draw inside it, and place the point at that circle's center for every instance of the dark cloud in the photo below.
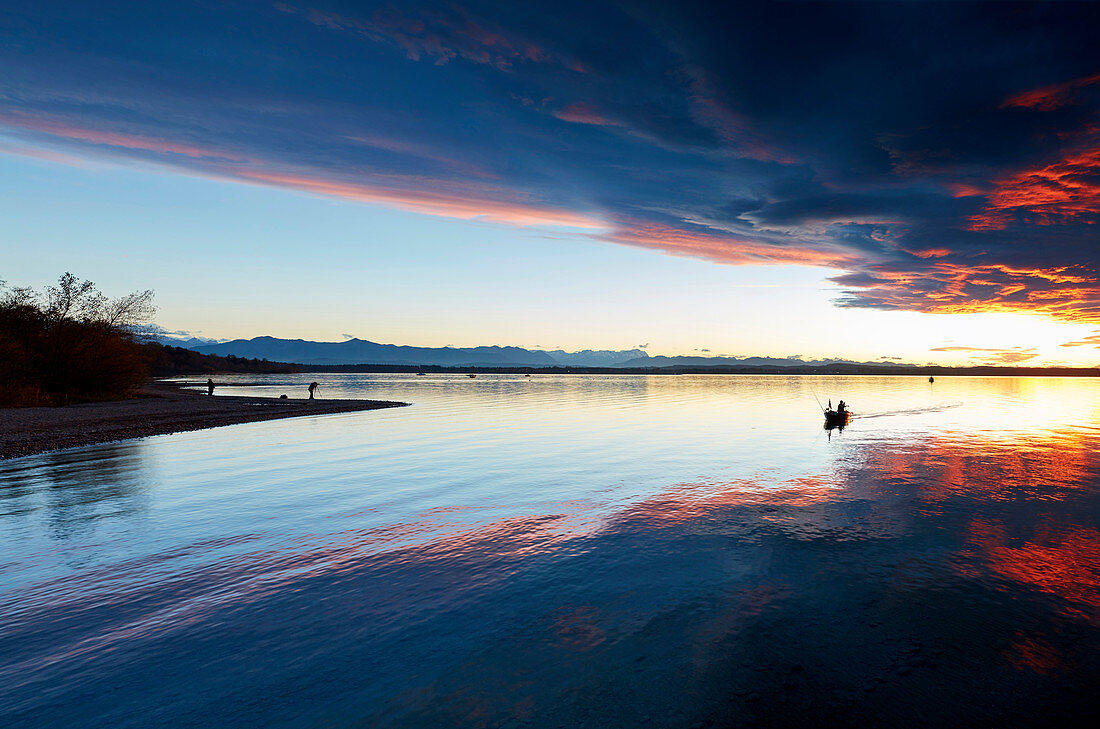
(941, 157)
(441, 34)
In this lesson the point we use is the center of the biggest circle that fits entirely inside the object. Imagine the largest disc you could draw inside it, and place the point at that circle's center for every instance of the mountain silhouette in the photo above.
(361, 351)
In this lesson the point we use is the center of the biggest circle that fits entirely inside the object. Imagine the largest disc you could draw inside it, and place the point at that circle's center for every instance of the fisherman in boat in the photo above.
(841, 409)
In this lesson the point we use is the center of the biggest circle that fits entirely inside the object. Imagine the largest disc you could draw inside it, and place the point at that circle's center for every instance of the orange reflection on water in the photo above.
(1033, 653)
(999, 465)
(687, 502)
(1062, 560)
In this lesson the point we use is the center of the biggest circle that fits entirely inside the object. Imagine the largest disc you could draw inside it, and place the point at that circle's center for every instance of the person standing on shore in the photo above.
(312, 386)
(209, 386)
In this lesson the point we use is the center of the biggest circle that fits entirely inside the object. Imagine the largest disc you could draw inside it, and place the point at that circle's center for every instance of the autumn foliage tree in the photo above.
(70, 343)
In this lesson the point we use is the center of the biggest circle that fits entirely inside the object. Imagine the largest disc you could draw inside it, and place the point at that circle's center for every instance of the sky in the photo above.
(892, 180)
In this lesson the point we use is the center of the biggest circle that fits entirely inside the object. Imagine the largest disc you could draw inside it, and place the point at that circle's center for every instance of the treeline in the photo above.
(166, 360)
(70, 343)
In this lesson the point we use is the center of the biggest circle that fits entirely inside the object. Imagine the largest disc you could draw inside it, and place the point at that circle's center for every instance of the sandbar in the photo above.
(159, 409)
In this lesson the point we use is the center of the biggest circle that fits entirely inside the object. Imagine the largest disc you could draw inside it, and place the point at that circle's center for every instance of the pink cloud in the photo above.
(420, 151)
(1052, 97)
(581, 112)
(444, 198)
(428, 198)
(720, 247)
(443, 35)
(938, 285)
(110, 138)
(712, 111)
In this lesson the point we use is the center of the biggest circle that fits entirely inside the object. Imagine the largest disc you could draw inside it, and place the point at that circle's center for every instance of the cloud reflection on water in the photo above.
(904, 559)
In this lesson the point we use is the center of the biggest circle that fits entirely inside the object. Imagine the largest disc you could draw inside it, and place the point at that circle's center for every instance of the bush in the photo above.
(70, 343)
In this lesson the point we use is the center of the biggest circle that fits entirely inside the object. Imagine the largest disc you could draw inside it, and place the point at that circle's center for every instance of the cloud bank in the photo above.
(939, 157)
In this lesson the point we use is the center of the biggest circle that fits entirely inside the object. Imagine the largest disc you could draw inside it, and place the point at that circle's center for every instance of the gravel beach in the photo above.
(159, 410)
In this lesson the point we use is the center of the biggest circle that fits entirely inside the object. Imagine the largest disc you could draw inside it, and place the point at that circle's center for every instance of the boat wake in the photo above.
(911, 411)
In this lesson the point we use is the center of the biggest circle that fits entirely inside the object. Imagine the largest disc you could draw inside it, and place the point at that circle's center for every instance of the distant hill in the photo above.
(695, 361)
(598, 358)
(166, 361)
(361, 351)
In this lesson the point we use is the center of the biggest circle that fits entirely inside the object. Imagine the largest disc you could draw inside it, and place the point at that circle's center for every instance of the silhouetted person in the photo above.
(209, 386)
(841, 408)
(312, 387)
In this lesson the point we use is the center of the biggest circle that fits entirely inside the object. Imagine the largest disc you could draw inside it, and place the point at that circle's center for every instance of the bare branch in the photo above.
(72, 298)
(130, 311)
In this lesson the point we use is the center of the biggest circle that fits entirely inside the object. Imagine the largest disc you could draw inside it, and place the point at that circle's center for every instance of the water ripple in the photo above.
(567, 550)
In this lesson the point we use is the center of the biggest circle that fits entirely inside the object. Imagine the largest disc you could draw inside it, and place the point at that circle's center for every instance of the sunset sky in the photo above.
(918, 181)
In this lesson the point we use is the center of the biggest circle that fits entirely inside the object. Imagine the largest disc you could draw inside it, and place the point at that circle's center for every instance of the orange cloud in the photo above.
(1067, 191)
(1052, 97)
(932, 253)
(996, 355)
(930, 281)
(946, 287)
(1093, 340)
(963, 189)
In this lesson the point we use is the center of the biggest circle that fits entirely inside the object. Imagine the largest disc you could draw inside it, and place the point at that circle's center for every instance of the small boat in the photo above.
(419, 371)
(471, 375)
(835, 419)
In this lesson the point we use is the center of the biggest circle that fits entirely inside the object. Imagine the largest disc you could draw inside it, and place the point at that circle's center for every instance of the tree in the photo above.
(70, 342)
(81, 301)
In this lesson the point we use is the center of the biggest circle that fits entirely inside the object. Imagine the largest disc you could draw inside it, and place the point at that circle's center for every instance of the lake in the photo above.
(568, 551)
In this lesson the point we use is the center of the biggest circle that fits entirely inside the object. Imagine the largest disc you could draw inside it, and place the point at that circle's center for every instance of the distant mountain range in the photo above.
(360, 351)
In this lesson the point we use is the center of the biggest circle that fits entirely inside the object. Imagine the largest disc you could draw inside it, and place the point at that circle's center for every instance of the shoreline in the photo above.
(160, 409)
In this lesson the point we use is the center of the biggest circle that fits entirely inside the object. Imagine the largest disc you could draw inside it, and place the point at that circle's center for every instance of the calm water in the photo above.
(575, 551)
